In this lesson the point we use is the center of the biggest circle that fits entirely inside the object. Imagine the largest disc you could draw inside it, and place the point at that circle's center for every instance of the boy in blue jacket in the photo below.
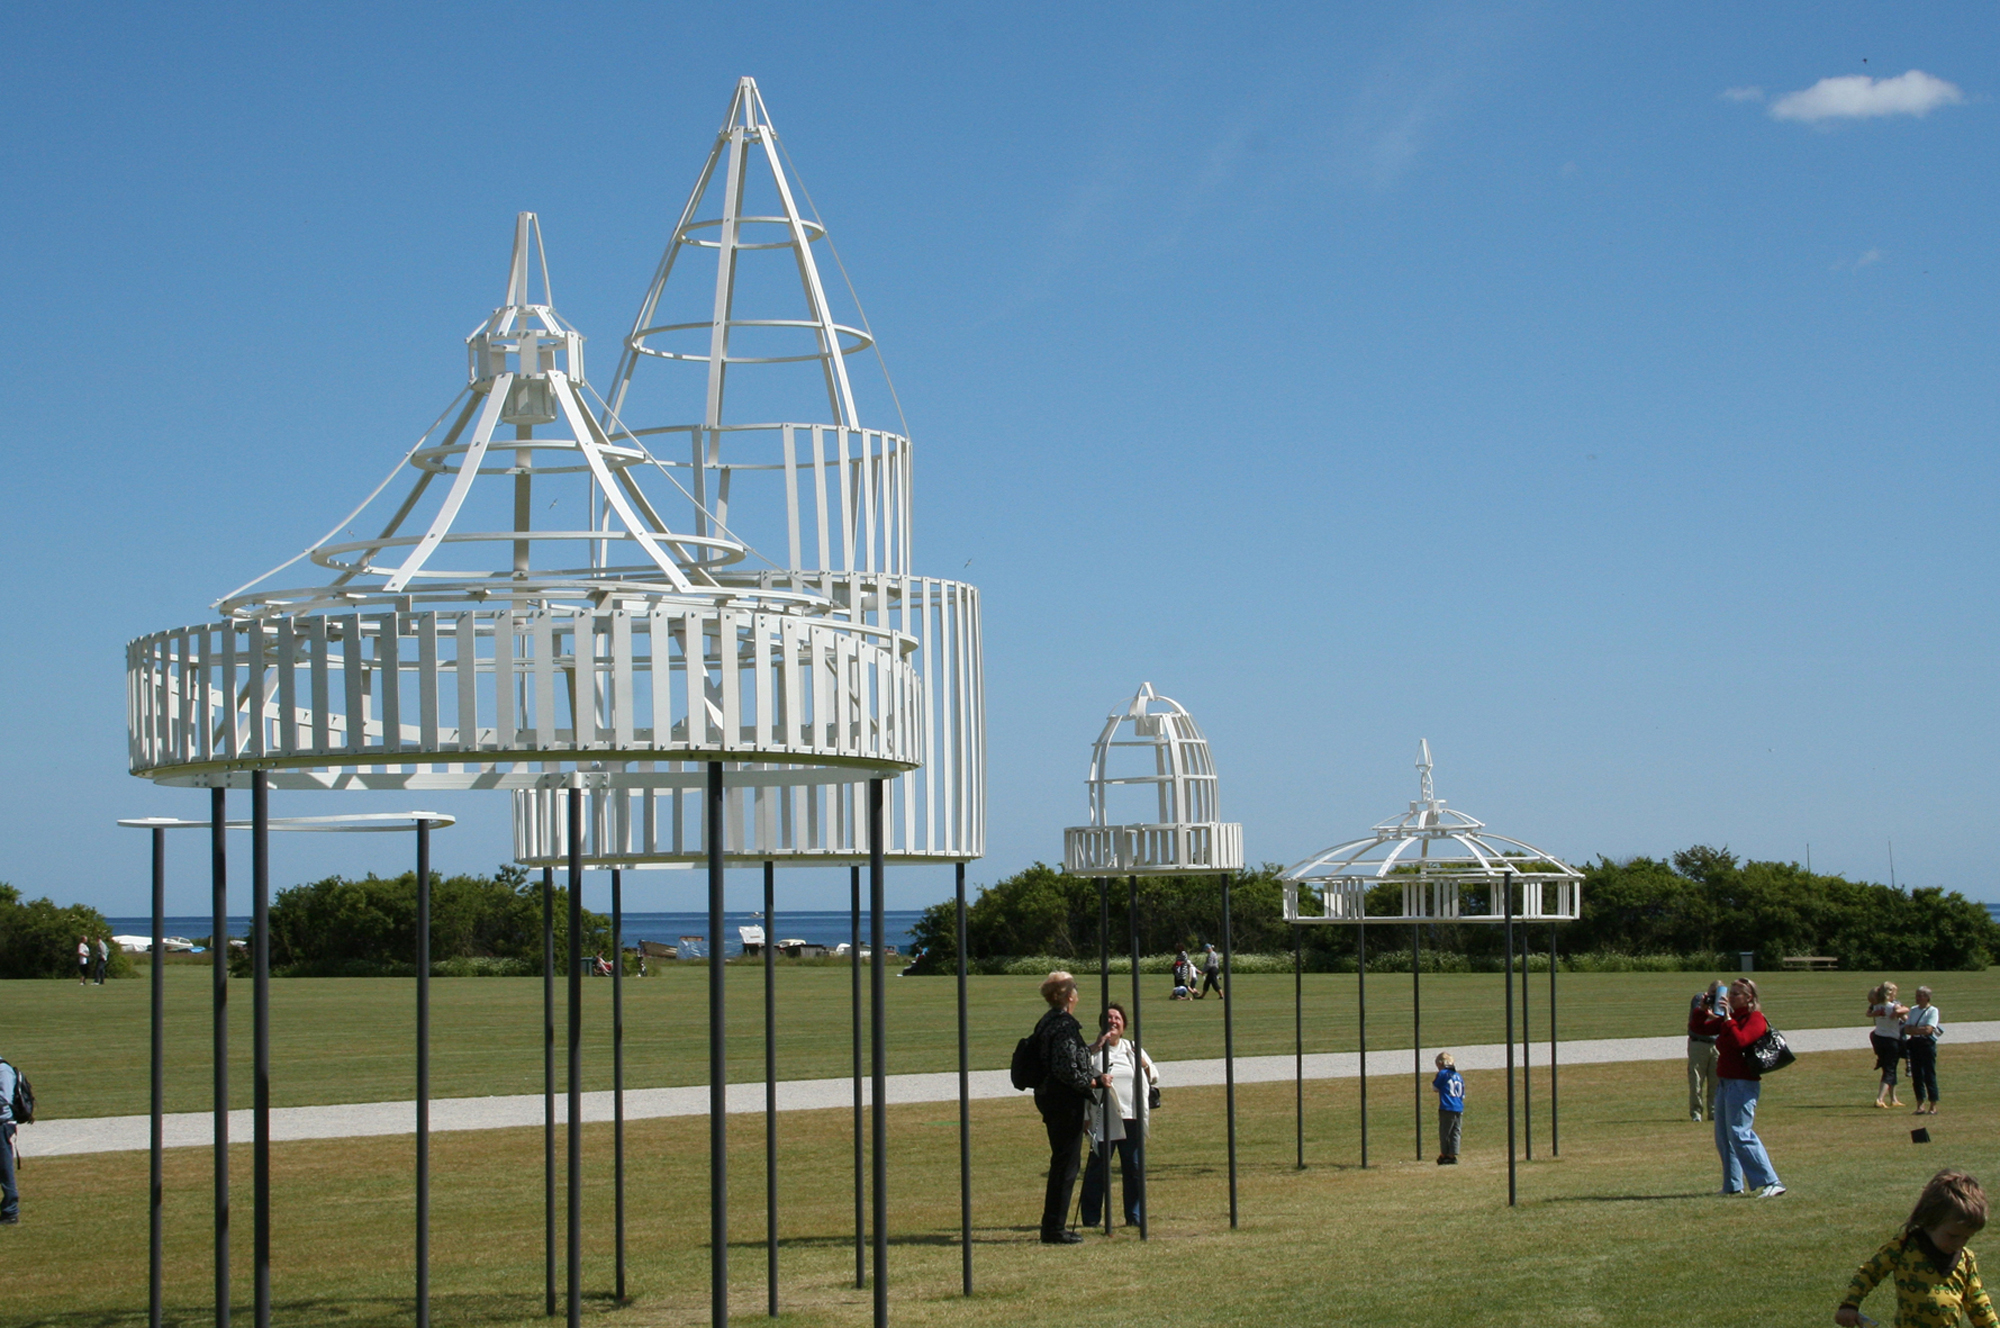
(1451, 1109)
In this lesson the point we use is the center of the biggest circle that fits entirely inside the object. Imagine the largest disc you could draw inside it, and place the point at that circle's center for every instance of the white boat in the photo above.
(144, 944)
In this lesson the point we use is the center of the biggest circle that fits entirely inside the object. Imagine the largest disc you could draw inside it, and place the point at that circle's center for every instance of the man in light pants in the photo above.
(1701, 1052)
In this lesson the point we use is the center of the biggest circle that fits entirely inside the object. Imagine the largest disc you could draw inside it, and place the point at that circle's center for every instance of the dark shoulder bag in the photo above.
(1768, 1053)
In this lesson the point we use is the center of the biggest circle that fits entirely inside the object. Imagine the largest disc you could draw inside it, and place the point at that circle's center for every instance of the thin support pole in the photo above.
(549, 1088)
(860, 1155)
(218, 949)
(1103, 1004)
(423, 957)
(1555, 1137)
(1299, 1039)
(1361, 989)
(1507, 1001)
(1527, 1043)
(573, 1133)
(1229, 1042)
(618, 1076)
(879, 1047)
(964, 1105)
(1141, 1111)
(1417, 1026)
(260, 1041)
(771, 1086)
(718, 1068)
(156, 1191)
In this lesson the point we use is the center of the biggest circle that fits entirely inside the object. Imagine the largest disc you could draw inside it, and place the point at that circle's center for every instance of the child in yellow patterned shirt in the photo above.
(1936, 1277)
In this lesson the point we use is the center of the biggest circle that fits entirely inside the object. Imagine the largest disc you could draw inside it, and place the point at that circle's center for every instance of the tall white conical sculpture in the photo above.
(524, 606)
(735, 375)
(1151, 744)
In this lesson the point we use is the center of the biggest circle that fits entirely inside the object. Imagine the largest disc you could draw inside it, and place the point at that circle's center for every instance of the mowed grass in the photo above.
(352, 1039)
(1625, 1228)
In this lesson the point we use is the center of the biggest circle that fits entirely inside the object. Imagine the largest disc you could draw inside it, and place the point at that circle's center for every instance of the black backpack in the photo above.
(23, 1103)
(1025, 1070)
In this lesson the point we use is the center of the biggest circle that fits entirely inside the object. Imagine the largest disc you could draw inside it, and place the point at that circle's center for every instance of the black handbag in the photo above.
(1768, 1053)
(1153, 1098)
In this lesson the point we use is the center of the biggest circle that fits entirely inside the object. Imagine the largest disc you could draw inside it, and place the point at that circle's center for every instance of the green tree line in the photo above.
(1701, 901)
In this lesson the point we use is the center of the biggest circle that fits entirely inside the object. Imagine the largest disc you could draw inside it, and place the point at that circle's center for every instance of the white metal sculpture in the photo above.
(605, 638)
(822, 502)
(1152, 744)
(1434, 852)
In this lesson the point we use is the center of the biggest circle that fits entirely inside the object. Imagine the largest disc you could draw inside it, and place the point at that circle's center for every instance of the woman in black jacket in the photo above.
(1062, 1096)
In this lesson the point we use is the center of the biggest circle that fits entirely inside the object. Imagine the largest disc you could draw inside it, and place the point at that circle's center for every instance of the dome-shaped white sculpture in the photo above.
(1152, 742)
(1434, 851)
(821, 502)
(476, 634)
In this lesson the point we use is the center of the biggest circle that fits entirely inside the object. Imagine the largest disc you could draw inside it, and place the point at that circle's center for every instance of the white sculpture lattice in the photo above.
(1434, 852)
(825, 506)
(1152, 742)
(607, 638)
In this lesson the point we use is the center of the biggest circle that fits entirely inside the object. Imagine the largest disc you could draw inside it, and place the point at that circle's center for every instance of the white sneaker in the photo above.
(1770, 1191)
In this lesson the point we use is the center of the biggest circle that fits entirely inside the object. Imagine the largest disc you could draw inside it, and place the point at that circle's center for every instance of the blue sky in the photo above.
(1536, 379)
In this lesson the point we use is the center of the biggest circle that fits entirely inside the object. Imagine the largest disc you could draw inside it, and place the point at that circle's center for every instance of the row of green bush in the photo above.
(38, 937)
(1694, 912)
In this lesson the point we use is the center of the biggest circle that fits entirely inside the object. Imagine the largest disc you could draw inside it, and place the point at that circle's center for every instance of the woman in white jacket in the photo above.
(1121, 1116)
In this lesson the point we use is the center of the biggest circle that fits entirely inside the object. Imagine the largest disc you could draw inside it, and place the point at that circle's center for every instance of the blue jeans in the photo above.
(1743, 1155)
(10, 1198)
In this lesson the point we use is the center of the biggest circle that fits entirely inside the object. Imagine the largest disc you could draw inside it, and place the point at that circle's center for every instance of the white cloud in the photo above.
(1857, 96)
(1742, 94)
(1871, 257)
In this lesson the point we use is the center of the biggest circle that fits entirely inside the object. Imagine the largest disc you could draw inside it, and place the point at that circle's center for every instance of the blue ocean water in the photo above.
(828, 928)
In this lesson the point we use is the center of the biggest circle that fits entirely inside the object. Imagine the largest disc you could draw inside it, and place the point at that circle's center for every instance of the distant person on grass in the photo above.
(1712, 1001)
(1062, 1096)
(1920, 1031)
(10, 1197)
(1450, 1088)
(1887, 1039)
(1211, 974)
(103, 960)
(1935, 1276)
(83, 961)
(1743, 1156)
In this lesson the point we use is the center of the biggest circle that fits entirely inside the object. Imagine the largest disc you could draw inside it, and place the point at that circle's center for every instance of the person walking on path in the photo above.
(10, 1196)
(1887, 1039)
(1744, 1159)
(1712, 1001)
(1062, 1096)
(1935, 1276)
(1211, 974)
(1921, 1029)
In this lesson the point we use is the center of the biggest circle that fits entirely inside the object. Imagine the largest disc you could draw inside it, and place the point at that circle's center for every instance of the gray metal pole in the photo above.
(860, 1157)
(1103, 943)
(423, 1074)
(1229, 1042)
(1139, 1085)
(260, 1041)
(771, 1085)
(618, 1074)
(1361, 974)
(573, 1134)
(1417, 1025)
(718, 1067)
(1507, 1000)
(964, 1106)
(1299, 1039)
(549, 1088)
(156, 1189)
(1527, 1043)
(879, 1049)
(1555, 1137)
(218, 950)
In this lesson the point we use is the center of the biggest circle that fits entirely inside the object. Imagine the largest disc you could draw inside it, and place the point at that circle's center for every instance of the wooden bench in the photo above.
(1815, 963)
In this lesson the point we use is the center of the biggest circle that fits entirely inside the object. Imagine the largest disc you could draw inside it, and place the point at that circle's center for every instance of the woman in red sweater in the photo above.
(1743, 1155)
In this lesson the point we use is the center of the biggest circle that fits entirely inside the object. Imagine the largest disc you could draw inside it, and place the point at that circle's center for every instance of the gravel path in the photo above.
(191, 1129)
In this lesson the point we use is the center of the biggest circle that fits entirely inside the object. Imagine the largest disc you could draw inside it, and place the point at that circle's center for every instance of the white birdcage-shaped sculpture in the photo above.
(735, 377)
(524, 611)
(1435, 853)
(1151, 744)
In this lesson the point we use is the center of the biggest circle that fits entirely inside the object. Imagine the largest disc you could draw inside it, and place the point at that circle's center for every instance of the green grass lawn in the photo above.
(1624, 1228)
(352, 1039)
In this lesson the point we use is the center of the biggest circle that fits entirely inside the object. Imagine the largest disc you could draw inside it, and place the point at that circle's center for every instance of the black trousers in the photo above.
(1094, 1195)
(1923, 1068)
(1210, 982)
(1064, 1124)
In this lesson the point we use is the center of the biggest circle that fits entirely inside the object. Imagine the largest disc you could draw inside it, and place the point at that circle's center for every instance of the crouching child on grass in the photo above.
(1935, 1276)
(1451, 1108)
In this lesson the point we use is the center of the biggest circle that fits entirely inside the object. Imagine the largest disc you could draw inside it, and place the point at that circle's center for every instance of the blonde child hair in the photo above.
(1444, 1061)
